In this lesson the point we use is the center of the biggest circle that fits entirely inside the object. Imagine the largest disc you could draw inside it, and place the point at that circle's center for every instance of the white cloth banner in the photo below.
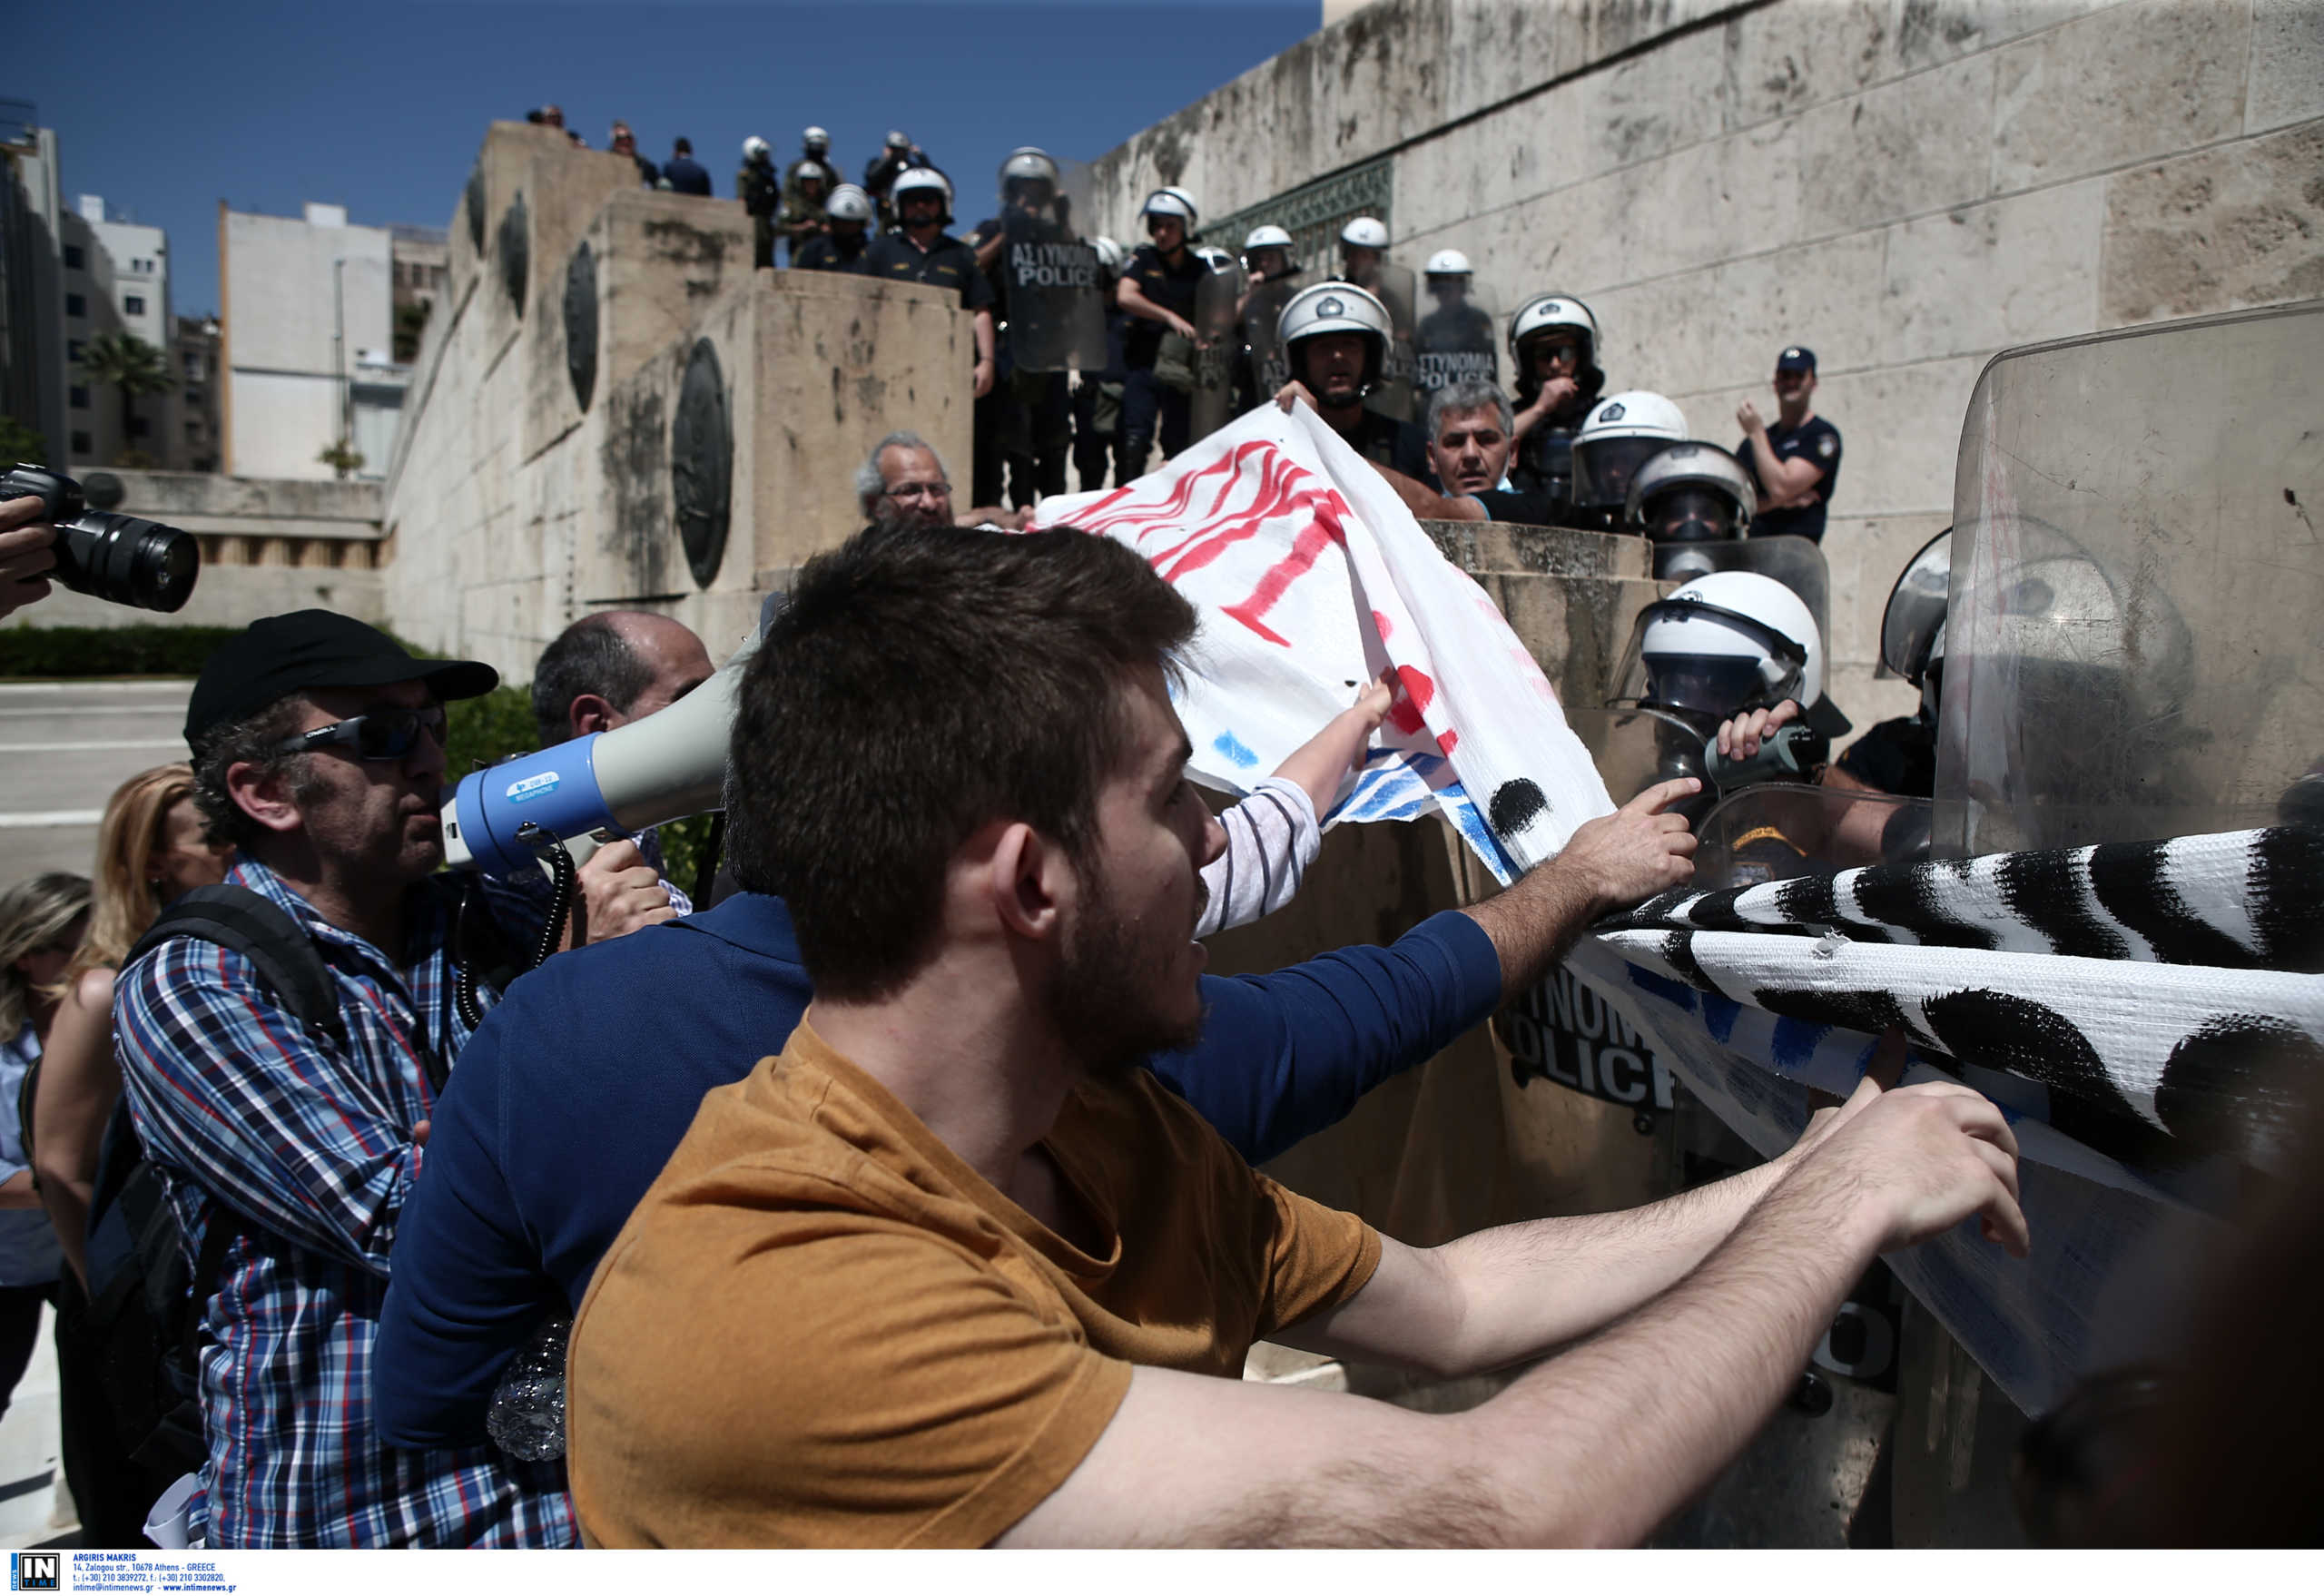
(1312, 577)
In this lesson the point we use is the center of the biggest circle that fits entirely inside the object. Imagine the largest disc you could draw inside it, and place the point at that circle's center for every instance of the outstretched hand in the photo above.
(1639, 849)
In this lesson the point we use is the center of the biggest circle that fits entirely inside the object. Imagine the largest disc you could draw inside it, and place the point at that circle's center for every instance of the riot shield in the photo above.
(1781, 830)
(1392, 285)
(1262, 311)
(1456, 340)
(1054, 296)
(1218, 335)
(1634, 748)
(2132, 648)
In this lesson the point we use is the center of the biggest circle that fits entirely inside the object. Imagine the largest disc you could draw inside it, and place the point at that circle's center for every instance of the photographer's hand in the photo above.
(24, 553)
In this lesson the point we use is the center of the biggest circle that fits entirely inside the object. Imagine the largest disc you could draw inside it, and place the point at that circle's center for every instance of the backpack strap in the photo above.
(264, 932)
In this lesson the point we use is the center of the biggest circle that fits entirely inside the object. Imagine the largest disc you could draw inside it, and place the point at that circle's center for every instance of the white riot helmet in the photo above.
(848, 203)
(1448, 264)
(919, 179)
(1690, 493)
(1553, 311)
(754, 148)
(1622, 434)
(1170, 203)
(1336, 307)
(1722, 644)
(1217, 258)
(1268, 236)
(1365, 232)
(816, 140)
(1109, 255)
(1026, 163)
(898, 139)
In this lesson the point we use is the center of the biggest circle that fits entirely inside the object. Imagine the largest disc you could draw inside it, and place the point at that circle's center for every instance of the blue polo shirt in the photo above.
(580, 1085)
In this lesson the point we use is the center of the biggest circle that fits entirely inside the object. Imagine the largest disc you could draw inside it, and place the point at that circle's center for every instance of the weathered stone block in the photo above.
(2130, 82)
(1649, 105)
(1985, 277)
(2287, 82)
(2238, 225)
(1494, 50)
(1895, 150)
(1482, 547)
(1786, 58)
(1929, 33)
(1721, 326)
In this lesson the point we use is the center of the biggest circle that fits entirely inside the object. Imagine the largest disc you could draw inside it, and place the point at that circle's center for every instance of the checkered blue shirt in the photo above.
(305, 1147)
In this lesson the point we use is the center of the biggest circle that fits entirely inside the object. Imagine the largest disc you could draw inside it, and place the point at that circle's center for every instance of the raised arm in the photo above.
(1594, 1446)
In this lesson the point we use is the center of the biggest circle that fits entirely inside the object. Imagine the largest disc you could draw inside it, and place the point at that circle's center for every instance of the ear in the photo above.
(264, 796)
(1032, 881)
(589, 712)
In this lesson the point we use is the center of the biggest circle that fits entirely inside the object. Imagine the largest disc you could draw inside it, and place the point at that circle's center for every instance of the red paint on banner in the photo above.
(1448, 742)
(1413, 701)
(1381, 621)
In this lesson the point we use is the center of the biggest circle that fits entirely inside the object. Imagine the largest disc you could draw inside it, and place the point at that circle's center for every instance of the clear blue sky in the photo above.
(165, 109)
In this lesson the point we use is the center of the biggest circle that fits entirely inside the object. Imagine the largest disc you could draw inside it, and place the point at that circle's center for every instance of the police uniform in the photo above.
(1814, 440)
(1896, 756)
(1401, 446)
(946, 263)
(802, 214)
(1454, 344)
(1024, 426)
(1147, 405)
(1097, 410)
(827, 251)
(760, 192)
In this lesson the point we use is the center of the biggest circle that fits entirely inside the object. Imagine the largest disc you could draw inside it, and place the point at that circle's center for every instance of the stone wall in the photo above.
(537, 477)
(1908, 186)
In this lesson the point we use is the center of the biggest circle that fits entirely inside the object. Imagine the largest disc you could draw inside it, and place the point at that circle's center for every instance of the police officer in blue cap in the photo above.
(1795, 463)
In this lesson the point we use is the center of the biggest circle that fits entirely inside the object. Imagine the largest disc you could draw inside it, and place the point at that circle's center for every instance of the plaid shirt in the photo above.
(305, 1148)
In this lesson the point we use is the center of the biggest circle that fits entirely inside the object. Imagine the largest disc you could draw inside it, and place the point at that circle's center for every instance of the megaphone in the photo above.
(665, 767)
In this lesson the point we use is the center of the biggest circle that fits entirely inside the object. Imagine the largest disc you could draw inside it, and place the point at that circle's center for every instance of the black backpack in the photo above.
(145, 1303)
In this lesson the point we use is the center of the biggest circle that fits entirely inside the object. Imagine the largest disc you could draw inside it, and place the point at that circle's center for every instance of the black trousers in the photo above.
(113, 1490)
(20, 1308)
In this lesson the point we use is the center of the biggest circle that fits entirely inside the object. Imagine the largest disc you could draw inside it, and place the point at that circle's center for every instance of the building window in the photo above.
(137, 427)
(132, 304)
(73, 350)
(194, 372)
(193, 431)
(74, 259)
(77, 305)
(80, 443)
(80, 397)
(193, 393)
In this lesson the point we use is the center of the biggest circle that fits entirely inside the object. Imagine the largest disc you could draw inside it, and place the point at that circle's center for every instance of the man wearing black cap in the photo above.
(319, 751)
(1795, 463)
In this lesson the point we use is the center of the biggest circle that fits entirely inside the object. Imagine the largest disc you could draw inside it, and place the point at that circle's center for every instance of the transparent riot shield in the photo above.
(1634, 748)
(1796, 562)
(1055, 296)
(1262, 311)
(1455, 340)
(1392, 285)
(2132, 648)
(1781, 830)
(1218, 346)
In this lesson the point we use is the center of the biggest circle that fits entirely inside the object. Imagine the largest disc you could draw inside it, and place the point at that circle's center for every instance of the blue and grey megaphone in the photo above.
(669, 765)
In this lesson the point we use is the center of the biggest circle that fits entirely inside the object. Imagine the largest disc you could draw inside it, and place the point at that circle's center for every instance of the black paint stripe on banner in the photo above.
(2001, 1030)
(2044, 890)
(2237, 1080)
(2285, 893)
(1904, 895)
(2131, 882)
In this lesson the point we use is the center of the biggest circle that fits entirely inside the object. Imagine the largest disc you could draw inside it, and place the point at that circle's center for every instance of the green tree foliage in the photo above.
(131, 366)
(19, 442)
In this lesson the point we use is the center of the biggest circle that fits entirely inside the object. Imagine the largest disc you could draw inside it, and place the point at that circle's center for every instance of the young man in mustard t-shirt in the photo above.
(952, 1270)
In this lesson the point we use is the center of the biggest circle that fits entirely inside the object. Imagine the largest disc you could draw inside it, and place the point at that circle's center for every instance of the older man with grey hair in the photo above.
(902, 483)
(1471, 431)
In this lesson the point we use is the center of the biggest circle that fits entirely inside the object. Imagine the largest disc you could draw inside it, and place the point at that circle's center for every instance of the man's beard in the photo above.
(1103, 1000)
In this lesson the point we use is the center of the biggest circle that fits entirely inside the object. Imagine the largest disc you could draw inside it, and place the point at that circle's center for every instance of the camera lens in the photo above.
(124, 559)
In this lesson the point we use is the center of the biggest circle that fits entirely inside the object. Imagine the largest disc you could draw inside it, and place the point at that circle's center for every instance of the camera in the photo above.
(120, 558)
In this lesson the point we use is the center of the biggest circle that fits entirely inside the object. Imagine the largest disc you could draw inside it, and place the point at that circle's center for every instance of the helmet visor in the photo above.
(1604, 466)
(1689, 514)
(1706, 661)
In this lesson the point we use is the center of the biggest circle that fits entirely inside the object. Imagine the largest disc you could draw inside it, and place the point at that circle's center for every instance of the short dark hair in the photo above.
(256, 739)
(684, 147)
(588, 656)
(916, 688)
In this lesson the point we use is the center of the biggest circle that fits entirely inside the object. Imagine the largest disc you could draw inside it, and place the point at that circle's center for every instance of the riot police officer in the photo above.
(844, 244)
(1097, 401)
(1335, 338)
(759, 188)
(1025, 424)
(1363, 242)
(807, 187)
(1454, 341)
(896, 157)
(920, 251)
(1553, 343)
(1269, 255)
(1685, 496)
(1157, 293)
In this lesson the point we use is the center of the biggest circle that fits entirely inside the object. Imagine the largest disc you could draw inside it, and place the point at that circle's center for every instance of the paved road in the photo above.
(64, 746)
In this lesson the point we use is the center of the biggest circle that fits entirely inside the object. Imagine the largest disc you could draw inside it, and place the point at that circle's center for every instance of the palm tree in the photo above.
(130, 364)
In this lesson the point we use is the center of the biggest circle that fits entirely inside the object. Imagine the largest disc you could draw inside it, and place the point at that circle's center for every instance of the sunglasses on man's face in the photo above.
(375, 735)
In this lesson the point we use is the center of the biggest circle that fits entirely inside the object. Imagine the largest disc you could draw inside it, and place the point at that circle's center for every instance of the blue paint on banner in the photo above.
(1227, 743)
